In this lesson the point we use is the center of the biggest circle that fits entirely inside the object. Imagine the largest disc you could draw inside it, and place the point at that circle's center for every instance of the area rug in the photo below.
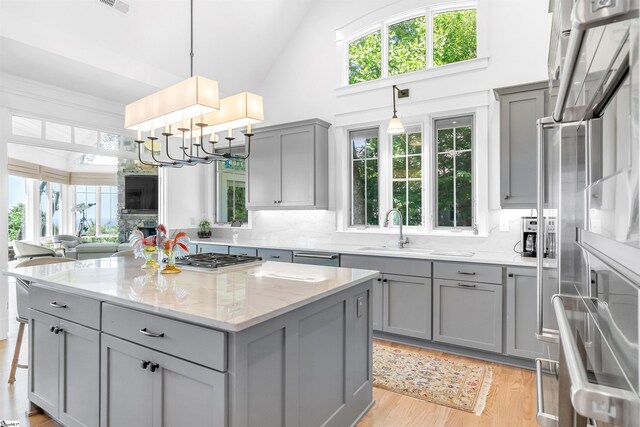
(450, 382)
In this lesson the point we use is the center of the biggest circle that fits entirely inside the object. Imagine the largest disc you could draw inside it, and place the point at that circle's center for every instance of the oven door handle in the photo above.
(543, 419)
(600, 402)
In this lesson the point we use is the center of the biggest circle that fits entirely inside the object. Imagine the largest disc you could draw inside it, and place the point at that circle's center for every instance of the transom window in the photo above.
(399, 165)
(432, 39)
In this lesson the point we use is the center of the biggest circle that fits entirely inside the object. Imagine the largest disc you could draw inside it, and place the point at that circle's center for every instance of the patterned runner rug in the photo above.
(451, 382)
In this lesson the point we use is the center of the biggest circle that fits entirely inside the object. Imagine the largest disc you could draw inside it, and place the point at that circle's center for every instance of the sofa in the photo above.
(74, 247)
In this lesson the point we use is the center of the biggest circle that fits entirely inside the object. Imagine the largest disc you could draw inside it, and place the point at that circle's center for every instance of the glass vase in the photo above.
(170, 268)
(149, 256)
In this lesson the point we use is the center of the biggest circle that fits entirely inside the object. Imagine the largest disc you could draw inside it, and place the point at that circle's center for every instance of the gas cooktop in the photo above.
(215, 261)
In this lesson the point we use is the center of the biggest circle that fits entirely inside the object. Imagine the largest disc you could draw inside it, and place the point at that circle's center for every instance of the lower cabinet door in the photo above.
(44, 359)
(521, 313)
(407, 305)
(79, 376)
(186, 394)
(175, 393)
(468, 314)
(126, 397)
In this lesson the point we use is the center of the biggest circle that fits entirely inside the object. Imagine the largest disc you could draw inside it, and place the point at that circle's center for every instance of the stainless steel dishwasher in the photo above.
(316, 258)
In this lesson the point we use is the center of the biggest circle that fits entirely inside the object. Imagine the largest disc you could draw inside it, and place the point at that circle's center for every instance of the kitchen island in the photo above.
(267, 344)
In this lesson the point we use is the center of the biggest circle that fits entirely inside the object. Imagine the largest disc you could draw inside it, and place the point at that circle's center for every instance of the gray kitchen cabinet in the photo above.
(468, 314)
(242, 250)
(278, 255)
(521, 313)
(212, 249)
(407, 305)
(401, 298)
(64, 369)
(520, 107)
(175, 393)
(288, 167)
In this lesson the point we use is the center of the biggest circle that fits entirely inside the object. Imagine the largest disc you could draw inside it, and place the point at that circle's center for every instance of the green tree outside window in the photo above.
(454, 36)
(408, 46)
(365, 58)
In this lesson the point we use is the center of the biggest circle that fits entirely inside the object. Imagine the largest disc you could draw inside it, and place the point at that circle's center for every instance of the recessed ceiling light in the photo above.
(454, 122)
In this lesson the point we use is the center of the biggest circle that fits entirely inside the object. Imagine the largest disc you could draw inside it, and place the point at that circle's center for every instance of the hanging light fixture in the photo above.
(395, 124)
(192, 107)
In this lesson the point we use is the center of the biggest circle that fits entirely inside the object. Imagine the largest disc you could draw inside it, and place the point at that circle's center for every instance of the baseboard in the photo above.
(458, 351)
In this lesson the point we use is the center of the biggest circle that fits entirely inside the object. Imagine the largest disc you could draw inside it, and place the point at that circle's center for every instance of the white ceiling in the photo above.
(86, 46)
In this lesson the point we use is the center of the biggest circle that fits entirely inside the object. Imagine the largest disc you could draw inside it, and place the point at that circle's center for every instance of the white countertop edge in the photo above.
(196, 320)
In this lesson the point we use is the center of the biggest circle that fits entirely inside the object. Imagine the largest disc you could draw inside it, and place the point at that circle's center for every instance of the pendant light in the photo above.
(395, 124)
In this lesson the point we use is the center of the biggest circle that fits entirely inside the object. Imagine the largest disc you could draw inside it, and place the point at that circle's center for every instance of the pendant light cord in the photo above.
(191, 53)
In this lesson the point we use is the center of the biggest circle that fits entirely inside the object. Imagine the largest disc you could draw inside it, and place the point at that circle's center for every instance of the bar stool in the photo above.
(22, 309)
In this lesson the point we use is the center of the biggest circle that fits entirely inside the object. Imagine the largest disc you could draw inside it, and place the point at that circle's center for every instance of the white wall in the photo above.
(304, 83)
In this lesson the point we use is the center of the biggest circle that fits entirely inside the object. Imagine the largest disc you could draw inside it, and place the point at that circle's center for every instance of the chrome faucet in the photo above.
(403, 240)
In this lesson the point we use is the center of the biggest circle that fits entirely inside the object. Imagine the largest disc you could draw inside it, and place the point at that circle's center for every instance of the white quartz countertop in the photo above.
(410, 251)
(231, 299)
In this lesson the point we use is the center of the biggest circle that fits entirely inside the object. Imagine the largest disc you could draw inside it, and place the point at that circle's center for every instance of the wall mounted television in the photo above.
(141, 194)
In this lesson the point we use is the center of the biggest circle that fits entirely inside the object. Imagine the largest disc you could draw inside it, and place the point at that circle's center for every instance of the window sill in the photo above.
(412, 232)
(402, 79)
(246, 226)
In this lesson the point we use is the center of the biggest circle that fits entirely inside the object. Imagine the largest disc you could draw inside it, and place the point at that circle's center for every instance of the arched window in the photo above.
(417, 42)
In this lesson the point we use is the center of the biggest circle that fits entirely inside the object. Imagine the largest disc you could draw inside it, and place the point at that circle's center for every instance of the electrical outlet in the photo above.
(504, 224)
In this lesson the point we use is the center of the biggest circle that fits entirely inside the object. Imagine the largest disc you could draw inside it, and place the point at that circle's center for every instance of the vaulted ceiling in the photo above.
(87, 46)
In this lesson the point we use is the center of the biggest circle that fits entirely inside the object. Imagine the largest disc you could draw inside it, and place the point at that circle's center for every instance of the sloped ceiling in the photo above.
(86, 46)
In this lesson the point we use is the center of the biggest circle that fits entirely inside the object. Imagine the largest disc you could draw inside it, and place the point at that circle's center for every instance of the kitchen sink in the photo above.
(395, 249)
(423, 251)
(453, 253)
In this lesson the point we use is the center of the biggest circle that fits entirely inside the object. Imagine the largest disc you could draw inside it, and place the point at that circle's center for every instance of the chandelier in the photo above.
(193, 109)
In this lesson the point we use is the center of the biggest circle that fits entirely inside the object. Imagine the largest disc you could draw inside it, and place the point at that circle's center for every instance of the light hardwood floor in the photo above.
(511, 400)
(510, 403)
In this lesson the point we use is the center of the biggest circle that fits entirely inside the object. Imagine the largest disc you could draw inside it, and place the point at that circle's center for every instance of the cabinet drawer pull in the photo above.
(153, 367)
(465, 285)
(55, 329)
(56, 305)
(144, 364)
(275, 256)
(467, 273)
(385, 280)
(144, 331)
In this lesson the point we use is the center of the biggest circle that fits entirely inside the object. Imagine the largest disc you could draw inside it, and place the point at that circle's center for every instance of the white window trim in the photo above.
(480, 175)
(215, 201)
(434, 185)
(98, 193)
(383, 26)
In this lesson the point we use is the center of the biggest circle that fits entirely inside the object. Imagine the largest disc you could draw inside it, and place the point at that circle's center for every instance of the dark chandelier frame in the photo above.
(188, 158)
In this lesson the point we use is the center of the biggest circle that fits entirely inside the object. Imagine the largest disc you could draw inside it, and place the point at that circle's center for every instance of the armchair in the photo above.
(24, 250)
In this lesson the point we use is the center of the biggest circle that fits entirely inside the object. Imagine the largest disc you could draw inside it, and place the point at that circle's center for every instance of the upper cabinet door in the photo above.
(289, 166)
(264, 170)
(297, 167)
(519, 112)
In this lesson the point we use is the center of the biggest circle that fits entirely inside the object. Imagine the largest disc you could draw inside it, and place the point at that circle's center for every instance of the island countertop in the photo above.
(230, 299)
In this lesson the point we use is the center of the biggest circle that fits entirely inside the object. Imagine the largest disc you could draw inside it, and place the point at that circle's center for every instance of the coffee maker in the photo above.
(529, 235)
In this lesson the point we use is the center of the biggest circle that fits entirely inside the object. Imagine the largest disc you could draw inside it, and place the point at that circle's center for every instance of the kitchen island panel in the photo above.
(310, 367)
